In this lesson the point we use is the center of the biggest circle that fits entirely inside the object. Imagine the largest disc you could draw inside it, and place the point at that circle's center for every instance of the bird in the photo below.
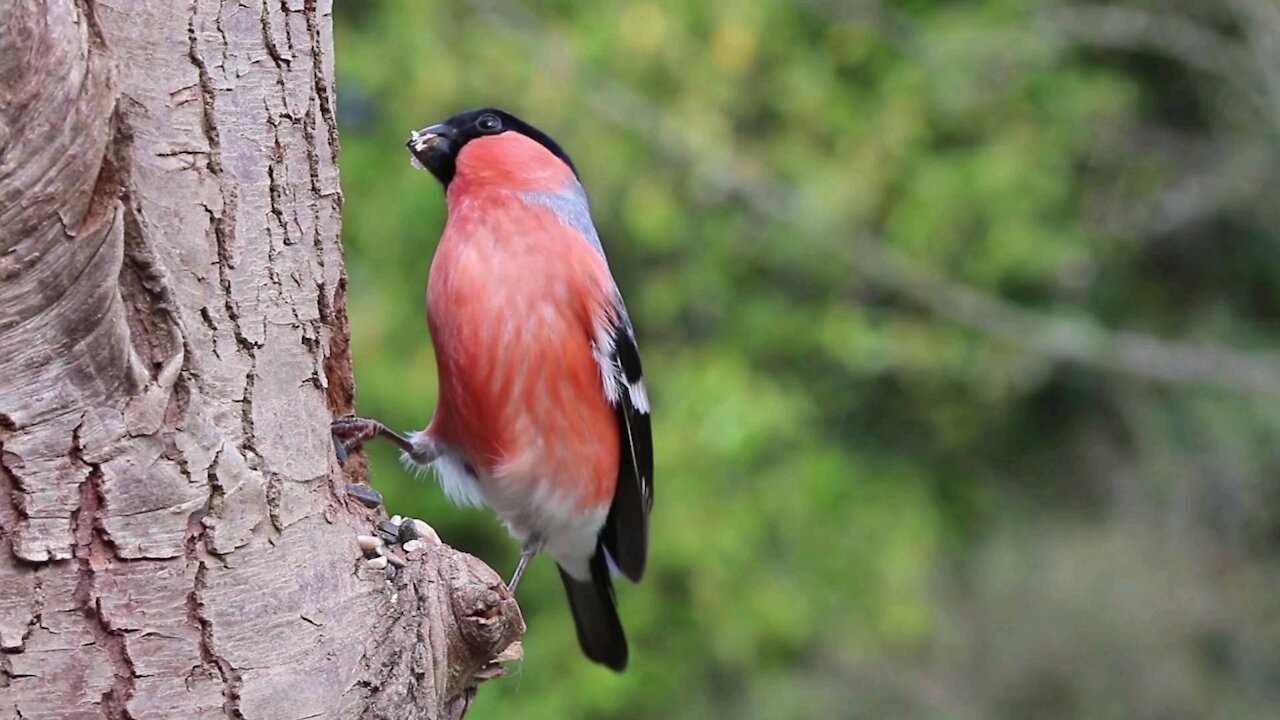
(543, 414)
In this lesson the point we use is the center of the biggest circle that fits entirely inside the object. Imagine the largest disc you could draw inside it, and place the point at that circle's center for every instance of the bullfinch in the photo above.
(543, 414)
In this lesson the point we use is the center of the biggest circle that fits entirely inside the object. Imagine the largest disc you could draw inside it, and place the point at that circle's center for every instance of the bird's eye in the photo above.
(488, 123)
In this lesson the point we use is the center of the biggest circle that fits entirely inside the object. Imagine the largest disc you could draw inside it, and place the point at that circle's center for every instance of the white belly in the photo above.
(527, 505)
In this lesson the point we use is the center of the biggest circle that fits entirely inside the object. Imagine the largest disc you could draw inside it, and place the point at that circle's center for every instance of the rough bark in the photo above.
(175, 540)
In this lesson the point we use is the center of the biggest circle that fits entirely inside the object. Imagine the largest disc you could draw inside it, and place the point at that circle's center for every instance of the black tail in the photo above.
(596, 616)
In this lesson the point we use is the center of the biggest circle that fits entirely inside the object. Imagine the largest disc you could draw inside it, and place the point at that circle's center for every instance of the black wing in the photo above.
(626, 530)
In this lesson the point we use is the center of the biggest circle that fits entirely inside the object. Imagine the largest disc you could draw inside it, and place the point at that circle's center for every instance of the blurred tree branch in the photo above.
(1128, 28)
(1067, 339)
(1246, 64)
(1251, 63)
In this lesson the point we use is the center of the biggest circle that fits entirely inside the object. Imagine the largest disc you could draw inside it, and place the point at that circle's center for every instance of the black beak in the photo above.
(433, 140)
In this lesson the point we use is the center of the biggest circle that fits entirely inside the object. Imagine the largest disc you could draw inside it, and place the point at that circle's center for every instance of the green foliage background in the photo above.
(960, 320)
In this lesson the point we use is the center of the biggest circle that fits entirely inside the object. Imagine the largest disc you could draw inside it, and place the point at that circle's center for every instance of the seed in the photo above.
(388, 532)
(425, 533)
(366, 495)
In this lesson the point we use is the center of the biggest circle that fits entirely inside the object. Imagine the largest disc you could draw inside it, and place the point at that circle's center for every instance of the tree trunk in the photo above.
(175, 537)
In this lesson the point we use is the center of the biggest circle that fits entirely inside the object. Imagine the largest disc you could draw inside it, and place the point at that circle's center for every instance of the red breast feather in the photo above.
(513, 300)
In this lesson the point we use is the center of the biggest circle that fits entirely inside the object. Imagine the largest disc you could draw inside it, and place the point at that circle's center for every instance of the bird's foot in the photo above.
(531, 547)
(409, 535)
(350, 432)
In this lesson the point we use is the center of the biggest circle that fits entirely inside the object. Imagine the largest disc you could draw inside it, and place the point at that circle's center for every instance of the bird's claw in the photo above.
(339, 449)
(350, 432)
